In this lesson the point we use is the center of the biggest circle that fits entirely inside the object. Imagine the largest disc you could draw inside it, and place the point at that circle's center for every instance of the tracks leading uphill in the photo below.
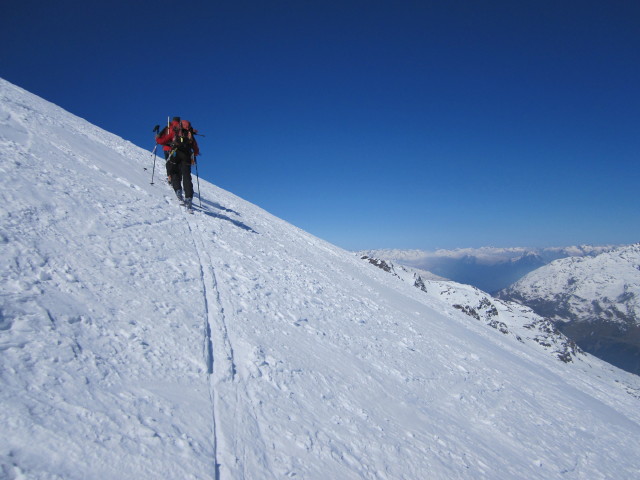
(219, 364)
(238, 443)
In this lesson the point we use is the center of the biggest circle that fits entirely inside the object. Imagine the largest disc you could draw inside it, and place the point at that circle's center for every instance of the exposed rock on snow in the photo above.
(508, 318)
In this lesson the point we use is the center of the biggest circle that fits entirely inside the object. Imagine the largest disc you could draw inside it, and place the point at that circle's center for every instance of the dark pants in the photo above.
(179, 168)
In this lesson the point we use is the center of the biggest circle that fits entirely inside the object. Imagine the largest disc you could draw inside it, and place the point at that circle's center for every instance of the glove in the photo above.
(156, 129)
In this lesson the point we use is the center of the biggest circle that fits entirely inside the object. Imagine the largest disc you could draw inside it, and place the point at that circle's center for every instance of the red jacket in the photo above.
(165, 137)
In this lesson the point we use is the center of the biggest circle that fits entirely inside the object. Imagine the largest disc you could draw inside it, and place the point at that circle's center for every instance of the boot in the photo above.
(189, 204)
(179, 195)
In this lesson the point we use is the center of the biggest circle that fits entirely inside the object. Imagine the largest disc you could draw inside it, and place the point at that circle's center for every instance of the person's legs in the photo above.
(187, 183)
(166, 163)
(174, 172)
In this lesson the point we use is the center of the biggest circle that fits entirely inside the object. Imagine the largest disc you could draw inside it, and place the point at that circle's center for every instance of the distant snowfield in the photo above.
(137, 341)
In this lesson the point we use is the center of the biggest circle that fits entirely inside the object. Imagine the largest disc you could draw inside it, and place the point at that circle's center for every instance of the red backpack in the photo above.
(183, 138)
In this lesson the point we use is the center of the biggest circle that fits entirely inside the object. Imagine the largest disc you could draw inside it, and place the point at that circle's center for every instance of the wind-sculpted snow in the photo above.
(140, 342)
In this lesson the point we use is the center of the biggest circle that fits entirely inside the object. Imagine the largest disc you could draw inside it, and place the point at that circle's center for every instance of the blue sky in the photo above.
(371, 124)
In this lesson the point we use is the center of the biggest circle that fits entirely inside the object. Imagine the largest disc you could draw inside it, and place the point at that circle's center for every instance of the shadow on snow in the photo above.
(212, 214)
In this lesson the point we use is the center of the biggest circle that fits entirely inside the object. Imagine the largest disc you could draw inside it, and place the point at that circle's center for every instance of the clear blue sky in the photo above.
(371, 124)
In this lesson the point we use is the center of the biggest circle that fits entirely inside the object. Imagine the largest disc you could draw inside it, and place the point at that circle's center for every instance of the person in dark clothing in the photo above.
(181, 148)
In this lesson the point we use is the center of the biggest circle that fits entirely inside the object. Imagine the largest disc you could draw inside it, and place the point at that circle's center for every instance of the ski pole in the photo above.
(156, 130)
(198, 180)
(153, 154)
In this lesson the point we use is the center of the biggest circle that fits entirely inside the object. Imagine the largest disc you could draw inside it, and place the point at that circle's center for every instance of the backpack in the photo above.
(183, 138)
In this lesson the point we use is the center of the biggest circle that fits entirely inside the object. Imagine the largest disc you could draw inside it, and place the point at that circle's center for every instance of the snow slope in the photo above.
(507, 317)
(137, 341)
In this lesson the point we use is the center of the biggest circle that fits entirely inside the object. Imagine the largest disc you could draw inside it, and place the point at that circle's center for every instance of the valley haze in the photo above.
(489, 268)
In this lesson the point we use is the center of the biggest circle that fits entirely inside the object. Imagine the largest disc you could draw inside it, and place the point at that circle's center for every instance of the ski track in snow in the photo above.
(88, 388)
(138, 341)
(237, 415)
(209, 283)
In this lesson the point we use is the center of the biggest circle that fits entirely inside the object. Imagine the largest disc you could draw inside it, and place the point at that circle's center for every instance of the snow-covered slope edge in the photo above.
(139, 342)
(509, 318)
(595, 300)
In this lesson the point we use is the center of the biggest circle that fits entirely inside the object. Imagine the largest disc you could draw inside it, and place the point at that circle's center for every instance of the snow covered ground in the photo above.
(137, 341)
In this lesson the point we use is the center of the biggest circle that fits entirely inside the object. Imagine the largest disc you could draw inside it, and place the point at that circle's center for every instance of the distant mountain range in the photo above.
(490, 269)
(593, 300)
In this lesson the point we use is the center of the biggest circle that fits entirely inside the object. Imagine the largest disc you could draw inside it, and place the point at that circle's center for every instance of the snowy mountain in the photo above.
(137, 341)
(488, 268)
(594, 300)
(509, 318)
